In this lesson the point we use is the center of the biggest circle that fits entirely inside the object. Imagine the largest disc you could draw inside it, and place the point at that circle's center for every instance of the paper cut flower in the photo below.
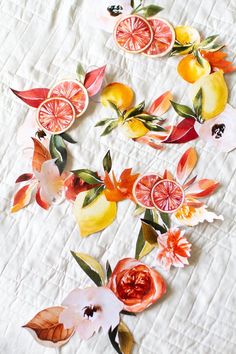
(136, 285)
(174, 249)
(89, 309)
(220, 131)
(192, 216)
(45, 179)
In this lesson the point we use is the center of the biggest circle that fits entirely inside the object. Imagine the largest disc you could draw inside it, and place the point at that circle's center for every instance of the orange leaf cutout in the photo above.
(41, 154)
(168, 175)
(119, 190)
(161, 104)
(186, 164)
(46, 328)
(202, 188)
(217, 61)
(22, 197)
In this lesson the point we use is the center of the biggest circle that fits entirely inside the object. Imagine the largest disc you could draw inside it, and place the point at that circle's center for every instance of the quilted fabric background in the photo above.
(42, 41)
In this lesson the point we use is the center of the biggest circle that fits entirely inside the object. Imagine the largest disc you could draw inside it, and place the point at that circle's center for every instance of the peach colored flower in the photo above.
(90, 309)
(174, 249)
(136, 285)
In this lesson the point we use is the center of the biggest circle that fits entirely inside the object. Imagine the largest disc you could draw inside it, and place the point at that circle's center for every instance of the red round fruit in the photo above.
(74, 91)
(142, 189)
(167, 196)
(133, 33)
(163, 38)
(55, 115)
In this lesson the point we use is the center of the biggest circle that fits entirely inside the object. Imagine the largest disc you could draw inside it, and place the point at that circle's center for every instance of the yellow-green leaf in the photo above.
(147, 248)
(149, 233)
(90, 266)
(126, 339)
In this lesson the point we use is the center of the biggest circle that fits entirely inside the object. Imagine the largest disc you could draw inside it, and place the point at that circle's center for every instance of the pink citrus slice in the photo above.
(133, 34)
(55, 115)
(142, 189)
(74, 91)
(163, 38)
(167, 196)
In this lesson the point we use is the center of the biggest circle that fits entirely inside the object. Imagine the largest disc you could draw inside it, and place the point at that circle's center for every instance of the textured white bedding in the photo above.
(40, 43)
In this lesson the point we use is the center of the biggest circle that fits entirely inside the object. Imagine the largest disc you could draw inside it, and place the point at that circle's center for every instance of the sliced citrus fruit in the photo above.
(133, 34)
(74, 91)
(119, 94)
(190, 70)
(142, 189)
(55, 115)
(163, 38)
(167, 196)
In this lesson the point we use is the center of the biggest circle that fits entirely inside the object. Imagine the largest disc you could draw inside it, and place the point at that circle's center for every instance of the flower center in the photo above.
(218, 130)
(115, 10)
(90, 310)
(134, 284)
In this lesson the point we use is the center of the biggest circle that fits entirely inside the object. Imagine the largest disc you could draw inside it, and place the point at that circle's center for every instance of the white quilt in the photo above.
(41, 41)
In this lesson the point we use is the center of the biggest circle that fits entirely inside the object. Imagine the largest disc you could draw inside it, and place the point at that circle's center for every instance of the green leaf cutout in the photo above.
(183, 111)
(165, 218)
(132, 3)
(199, 58)
(107, 162)
(108, 270)
(80, 73)
(134, 111)
(68, 138)
(103, 122)
(109, 128)
(208, 42)
(88, 176)
(124, 312)
(154, 127)
(92, 194)
(147, 117)
(113, 105)
(112, 336)
(58, 151)
(151, 10)
(126, 339)
(197, 104)
(90, 266)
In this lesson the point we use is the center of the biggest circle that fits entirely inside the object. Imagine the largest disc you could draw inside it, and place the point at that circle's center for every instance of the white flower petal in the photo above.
(220, 131)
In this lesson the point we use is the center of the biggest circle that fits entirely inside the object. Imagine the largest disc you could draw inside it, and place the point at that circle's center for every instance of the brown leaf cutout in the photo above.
(46, 328)
(126, 339)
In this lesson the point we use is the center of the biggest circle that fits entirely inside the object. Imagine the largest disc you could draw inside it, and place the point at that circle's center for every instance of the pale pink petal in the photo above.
(69, 318)
(86, 329)
(51, 182)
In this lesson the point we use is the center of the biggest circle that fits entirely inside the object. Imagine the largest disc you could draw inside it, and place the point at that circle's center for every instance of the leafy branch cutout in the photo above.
(150, 121)
(187, 112)
(209, 44)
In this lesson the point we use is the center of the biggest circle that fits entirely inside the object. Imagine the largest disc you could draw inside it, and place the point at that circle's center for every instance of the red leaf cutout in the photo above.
(22, 197)
(46, 328)
(24, 177)
(161, 104)
(93, 80)
(33, 97)
(42, 203)
(41, 154)
(182, 132)
(202, 188)
(186, 164)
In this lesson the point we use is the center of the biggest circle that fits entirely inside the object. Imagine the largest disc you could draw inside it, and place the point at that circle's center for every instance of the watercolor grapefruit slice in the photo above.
(55, 115)
(142, 189)
(74, 91)
(133, 34)
(167, 196)
(163, 38)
